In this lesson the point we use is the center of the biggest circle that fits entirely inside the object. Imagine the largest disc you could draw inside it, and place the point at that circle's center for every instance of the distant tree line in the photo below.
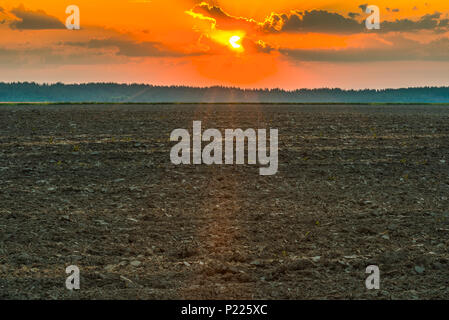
(113, 92)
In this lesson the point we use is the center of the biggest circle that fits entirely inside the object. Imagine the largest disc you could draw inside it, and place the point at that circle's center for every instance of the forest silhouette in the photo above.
(122, 93)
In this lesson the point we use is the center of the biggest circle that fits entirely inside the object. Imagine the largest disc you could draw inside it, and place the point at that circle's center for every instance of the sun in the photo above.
(233, 41)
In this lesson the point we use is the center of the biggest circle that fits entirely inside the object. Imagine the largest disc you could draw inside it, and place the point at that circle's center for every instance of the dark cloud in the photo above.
(402, 50)
(225, 20)
(312, 21)
(263, 47)
(363, 7)
(426, 22)
(318, 21)
(444, 23)
(51, 56)
(129, 48)
(328, 22)
(34, 20)
(14, 57)
(212, 11)
(3, 12)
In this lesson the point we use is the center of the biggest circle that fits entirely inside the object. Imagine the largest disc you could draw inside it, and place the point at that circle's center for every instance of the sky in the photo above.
(285, 44)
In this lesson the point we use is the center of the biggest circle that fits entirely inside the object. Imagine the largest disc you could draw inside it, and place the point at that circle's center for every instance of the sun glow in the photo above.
(231, 39)
(234, 42)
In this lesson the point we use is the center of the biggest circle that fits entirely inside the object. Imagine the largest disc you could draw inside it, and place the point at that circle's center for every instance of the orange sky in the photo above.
(282, 43)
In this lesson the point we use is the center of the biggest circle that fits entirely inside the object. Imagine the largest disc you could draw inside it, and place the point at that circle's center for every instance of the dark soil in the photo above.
(93, 186)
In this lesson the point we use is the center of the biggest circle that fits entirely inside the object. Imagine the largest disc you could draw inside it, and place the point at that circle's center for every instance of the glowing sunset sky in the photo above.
(282, 43)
